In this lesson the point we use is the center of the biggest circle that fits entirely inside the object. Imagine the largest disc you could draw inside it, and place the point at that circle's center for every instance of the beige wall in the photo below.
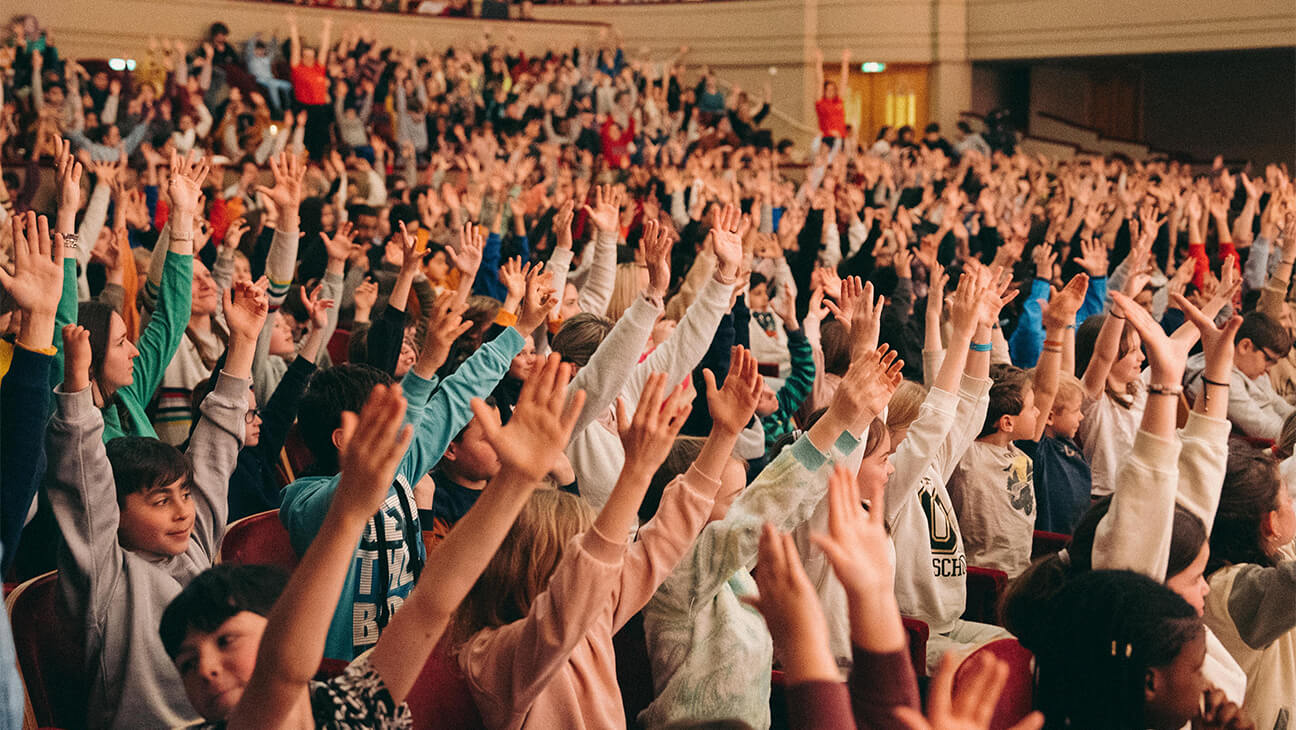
(99, 28)
(1004, 29)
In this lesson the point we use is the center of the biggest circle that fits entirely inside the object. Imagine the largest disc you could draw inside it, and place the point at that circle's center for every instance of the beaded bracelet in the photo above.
(1155, 389)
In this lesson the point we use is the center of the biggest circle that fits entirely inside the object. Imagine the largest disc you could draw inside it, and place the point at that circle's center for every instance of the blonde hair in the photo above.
(624, 290)
(1069, 390)
(524, 562)
(905, 403)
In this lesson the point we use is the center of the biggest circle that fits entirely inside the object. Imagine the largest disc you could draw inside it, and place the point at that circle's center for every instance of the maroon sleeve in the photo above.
(819, 706)
(879, 683)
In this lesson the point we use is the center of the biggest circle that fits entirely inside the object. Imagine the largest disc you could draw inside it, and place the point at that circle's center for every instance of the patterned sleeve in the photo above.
(357, 698)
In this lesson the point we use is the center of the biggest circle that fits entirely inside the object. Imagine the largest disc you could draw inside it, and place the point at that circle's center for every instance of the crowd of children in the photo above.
(524, 350)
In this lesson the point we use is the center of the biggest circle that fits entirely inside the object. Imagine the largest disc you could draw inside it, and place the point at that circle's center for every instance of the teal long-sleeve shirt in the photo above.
(795, 389)
(157, 345)
(438, 414)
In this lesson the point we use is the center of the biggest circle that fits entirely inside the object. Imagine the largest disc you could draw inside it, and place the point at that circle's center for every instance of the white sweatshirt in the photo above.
(931, 566)
(595, 451)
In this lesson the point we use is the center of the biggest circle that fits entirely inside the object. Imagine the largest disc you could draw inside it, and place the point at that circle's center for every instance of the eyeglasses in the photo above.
(1270, 358)
(251, 416)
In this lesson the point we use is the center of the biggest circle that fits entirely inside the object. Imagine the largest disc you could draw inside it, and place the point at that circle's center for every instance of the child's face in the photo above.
(158, 520)
(216, 667)
(758, 297)
(437, 267)
(1025, 422)
(252, 431)
(1190, 583)
(570, 303)
(281, 337)
(472, 457)
(523, 363)
(876, 467)
(1253, 361)
(1066, 417)
(1175, 697)
(1126, 370)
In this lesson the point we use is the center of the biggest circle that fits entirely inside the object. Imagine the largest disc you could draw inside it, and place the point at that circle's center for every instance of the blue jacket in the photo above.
(1027, 340)
(392, 546)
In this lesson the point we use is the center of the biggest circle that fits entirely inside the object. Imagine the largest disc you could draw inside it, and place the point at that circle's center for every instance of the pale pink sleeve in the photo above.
(509, 666)
(685, 507)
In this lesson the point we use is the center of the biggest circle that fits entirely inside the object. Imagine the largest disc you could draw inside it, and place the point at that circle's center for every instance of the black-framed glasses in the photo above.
(251, 415)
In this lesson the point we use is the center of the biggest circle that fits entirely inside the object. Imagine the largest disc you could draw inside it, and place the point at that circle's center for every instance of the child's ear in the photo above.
(1151, 681)
(337, 439)
(1005, 423)
(1269, 524)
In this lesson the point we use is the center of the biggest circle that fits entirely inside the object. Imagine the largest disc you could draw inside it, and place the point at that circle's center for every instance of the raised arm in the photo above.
(294, 41)
(1058, 316)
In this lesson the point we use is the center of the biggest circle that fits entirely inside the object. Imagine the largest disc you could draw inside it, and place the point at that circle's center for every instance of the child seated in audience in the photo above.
(534, 636)
(247, 645)
(992, 488)
(770, 336)
(391, 554)
(777, 411)
(1062, 480)
(1254, 408)
(140, 520)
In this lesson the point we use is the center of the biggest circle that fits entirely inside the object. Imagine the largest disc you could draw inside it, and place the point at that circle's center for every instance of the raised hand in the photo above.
(785, 306)
(365, 297)
(1044, 258)
(997, 295)
(1217, 342)
(791, 610)
(187, 176)
(445, 325)
(866, 388)
(541, 423)
(726, 239)
(1166, 355)
(76, 358)
(371, 446)
(411, 262)
(289, 171)
(538, 301)
(467, 256)
(69, 173)
(513, 275)
(975, 704)
(1093, 257)
(733, 405)
(37, 282)
(339, 246)
(850, 291)
(1060, 310)
(866, 322)
(656, 244)
(245, 306)
(650, 434)
(606, 213)
(316, 308)
(856, 543)
(562, 221)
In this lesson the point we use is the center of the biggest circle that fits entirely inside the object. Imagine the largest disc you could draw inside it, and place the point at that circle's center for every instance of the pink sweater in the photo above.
(556, 667)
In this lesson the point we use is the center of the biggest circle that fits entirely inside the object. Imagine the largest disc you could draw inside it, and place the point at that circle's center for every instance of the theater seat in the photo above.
(984, 588)
(1047, 543)
(337, 346)
(259, 539)
(296, 453)
(1017, 699)
(918, 633)
(440, 697)
(49, 655)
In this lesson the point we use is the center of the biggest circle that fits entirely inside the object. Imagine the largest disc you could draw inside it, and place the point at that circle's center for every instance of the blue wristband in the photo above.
(980, 348)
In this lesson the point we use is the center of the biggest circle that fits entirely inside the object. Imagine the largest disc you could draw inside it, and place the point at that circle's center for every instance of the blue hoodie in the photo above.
(391, 550)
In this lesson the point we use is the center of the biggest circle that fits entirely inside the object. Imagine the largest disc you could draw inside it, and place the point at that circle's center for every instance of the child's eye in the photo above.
(186, 666)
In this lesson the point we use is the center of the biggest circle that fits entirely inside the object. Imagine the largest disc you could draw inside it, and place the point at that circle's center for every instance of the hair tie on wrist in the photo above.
(1117, 316)
(1052, 343)
(1052, 349)
(1208, 381)
(1158, 389)
(975, 347)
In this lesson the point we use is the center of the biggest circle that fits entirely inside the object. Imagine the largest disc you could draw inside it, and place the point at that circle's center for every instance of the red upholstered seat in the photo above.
(259, 539)
(984, 588)
(1017, 699)
(49, 655)
(440, 697)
